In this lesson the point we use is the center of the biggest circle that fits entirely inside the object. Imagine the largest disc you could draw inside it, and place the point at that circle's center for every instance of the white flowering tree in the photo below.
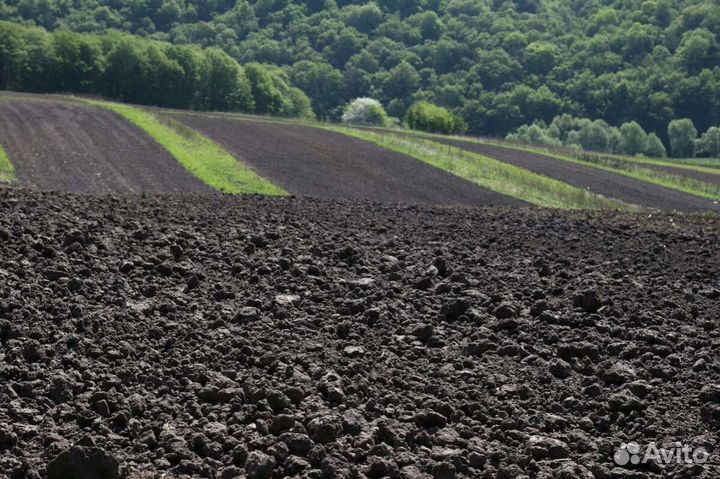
(365, 111)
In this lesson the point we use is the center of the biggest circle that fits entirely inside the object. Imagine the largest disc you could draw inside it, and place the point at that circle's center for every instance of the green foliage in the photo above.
(697, 49)
(709, 143)
(321, 82)
(499, 64)
(7, 170)
(539, 57)
(224, 85)
(137, 70)
(633, 139)
(435, 119)
(365, 111)
(654, 146)
(682, 134)
(585, 134)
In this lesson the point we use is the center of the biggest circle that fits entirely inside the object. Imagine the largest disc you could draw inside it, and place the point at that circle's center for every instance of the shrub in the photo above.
(633, 139)
(534, 134)
(365, 111)
(654, 147)
(428, 117)
(709, 144)
(682, 134)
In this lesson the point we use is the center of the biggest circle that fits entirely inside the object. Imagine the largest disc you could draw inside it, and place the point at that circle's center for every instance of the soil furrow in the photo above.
(82, 149)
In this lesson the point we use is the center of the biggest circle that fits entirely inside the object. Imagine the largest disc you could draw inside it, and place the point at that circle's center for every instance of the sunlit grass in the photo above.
(198, 154)
(489, 173)
(705, 165)
(633, 169)
(7, 170)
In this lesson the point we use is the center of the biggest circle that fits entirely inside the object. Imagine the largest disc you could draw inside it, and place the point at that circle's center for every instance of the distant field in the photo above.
(706, 164)
(309, 161)
(137, 149)
(489, 173)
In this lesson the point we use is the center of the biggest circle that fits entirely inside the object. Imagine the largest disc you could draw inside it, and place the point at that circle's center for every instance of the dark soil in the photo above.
(309, 161)
(611, 185)
(690, 173)
(68, 147)
(225, 337)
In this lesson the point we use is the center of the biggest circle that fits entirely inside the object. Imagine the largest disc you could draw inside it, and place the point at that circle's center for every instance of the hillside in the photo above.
(499, 63)
(66, 146)
(72, 144)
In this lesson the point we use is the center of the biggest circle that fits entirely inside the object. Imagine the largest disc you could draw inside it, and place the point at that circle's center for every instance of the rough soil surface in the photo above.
(308, 161)
(64, 146)
(611, 185)
(224, 337)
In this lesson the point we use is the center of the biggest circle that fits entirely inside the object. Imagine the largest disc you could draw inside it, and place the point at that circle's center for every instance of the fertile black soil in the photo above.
(65, 146)
(611, 185)
(219, 337)
(309, 161)
(688, 172)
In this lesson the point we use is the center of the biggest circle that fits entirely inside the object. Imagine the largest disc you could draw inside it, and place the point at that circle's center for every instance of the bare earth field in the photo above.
(69, 147)
(309, 161)
(220, 337)
(609, 184)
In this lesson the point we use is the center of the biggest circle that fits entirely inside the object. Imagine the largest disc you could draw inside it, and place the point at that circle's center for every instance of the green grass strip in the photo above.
(631, 167)
(488, 173)
(703, 165)
(198, 154)
(668, 180)
(7, 170)
(708, 165)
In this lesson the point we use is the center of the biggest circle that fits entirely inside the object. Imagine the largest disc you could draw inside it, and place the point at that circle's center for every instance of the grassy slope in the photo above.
(489, 173)
(198, 154)
(708, 165)
(7, 170)
(633, 170)
(615, 164)
(165, 129)
(704, 165)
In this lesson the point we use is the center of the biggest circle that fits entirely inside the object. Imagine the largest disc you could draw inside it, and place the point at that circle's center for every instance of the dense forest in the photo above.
(138, 70)
(498, 64)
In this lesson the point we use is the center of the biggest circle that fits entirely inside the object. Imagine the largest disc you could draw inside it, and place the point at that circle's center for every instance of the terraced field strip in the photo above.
(602, 180)
(198, 154)
(704, 163)
(7, 170)
(689, 180)
(489, 173)
(310, 161)
(710, 166)
(76, 147)
(684, 174)
(685, 182)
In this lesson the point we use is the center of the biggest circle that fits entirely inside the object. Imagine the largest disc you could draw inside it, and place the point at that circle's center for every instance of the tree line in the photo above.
(138, 70)
(628, 139)
(497, 64)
